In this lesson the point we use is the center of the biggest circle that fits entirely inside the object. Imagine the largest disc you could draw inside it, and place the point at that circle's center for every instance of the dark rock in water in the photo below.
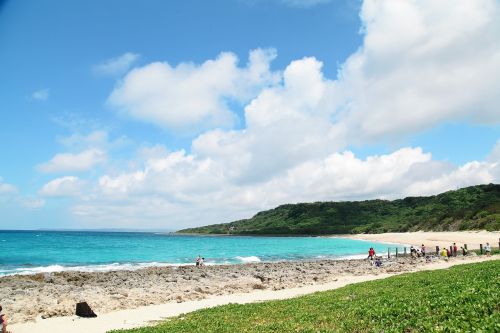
(84, 310)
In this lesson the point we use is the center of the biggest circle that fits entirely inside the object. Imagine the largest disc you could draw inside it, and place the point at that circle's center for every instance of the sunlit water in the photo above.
(25, 252)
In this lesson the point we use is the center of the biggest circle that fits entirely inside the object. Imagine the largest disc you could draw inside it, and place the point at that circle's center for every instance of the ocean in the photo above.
(28, 252)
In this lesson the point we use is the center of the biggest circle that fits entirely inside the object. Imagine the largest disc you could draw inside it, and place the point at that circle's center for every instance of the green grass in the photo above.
(464, 298)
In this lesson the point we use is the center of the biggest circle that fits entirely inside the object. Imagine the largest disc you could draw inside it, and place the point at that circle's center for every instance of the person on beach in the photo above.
(371, 253)
(198, 261)
(455, 249)
(487, 249)
(202, 262)
(444, 252)
(378, 262)
(422, 250)
(3, 322)
(413, 252)
(464, 251)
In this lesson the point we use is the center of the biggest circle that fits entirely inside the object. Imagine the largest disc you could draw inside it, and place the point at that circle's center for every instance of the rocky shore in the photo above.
(27, 297)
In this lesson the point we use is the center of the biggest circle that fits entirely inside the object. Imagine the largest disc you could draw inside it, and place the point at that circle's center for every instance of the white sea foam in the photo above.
(250, 259)
(87, 268)
(352, 256)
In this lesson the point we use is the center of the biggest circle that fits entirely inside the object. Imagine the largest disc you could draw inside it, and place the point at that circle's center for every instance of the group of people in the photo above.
(445, 252)
(418, 252)
(200, 261)
(371, 256)
(452, 251)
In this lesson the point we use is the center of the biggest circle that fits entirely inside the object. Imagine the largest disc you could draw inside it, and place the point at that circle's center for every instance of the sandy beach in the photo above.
(432, 239)
(126, 299)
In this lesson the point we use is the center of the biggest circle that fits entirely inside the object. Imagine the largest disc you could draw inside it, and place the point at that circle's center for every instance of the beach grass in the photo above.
(463, 298)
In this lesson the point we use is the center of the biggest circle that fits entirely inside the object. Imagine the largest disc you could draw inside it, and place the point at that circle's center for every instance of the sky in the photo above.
(172, 114)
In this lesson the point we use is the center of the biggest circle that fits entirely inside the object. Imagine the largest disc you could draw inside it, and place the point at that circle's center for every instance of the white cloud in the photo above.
(68, 162)
(98, 139)
(6, 188)
(177, 189)
(41, 95)
(10, 194)
(189, 96)
(471, 173)
(117, 65)
(421, 63)
(63, 187)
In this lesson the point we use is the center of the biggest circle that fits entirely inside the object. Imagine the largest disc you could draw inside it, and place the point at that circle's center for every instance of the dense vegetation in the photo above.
(464, 298)
(475, 207)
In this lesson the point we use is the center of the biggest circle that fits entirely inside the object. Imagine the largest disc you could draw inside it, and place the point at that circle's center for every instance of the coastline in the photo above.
(346, 273)
(53, 295)
(473, 239)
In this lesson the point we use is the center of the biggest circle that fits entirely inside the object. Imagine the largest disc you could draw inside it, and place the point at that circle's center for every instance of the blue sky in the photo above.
(169, 114)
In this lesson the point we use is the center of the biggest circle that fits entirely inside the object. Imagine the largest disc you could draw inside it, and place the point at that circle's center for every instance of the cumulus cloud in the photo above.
(68, 162)
(63, 187)
(190, 96)
(421, 63)
(41, 95)
(179, 189)
(117, 65)
(6, 188)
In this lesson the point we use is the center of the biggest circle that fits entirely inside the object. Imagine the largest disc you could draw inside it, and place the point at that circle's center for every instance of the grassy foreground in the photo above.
(464, 298)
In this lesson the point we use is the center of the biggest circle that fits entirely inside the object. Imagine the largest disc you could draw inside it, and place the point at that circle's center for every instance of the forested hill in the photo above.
(470, 208)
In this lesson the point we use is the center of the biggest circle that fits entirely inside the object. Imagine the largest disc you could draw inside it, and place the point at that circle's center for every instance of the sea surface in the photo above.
(28, 252)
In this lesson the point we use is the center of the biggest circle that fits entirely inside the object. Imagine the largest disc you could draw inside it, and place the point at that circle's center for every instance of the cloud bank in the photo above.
(421, 64)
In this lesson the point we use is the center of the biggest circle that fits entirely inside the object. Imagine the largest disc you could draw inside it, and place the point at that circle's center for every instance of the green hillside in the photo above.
(470, 208)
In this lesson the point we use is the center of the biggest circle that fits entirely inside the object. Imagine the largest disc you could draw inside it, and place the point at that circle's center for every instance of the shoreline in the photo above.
(146, 315)
(433, 238)
(53, 295)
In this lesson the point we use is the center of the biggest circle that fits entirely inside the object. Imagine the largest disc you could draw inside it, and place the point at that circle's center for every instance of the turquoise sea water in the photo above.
(47, 251)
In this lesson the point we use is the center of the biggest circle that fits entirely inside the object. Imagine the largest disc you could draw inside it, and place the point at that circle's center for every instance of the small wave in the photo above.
(87, 268)
(249, 259)
(352, 256)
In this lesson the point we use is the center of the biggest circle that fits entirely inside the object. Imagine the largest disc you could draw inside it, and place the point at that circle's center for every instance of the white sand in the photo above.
(145, 315)
(431, 239)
